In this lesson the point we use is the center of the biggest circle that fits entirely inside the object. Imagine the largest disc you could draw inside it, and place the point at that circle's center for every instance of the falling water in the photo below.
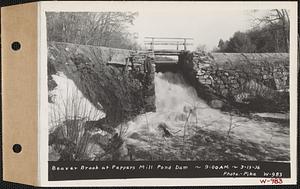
(184, 127)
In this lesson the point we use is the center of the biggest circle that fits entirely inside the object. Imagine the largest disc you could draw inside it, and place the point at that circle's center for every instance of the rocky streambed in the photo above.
(186, 128)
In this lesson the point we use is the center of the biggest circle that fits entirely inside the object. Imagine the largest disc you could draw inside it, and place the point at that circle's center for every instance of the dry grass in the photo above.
(67, 117)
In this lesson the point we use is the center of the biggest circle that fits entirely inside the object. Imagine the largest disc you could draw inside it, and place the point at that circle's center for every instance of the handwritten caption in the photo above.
(163, 169)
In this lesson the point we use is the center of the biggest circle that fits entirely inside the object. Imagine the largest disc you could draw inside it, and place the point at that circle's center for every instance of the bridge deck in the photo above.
(156, 54)
(166, 61)
(167, 52)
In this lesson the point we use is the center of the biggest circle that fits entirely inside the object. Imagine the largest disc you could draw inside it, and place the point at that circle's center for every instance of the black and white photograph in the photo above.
(169, 85)
(150, 93)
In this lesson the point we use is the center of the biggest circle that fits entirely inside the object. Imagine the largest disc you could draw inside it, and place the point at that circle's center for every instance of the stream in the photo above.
(184, 127)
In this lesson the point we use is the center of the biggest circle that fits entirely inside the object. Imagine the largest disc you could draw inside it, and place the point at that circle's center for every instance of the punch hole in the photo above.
(16, 46)
(17, 148)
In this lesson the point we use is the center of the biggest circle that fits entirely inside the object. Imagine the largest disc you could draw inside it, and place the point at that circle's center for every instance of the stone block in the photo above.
(235, 86)
(224, 92)
(233, 81)
(201, 80)
(218, 104)
(208, 82)
(242, 80)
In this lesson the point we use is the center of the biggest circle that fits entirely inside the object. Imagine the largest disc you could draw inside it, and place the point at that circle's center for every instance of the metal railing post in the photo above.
(152, 44)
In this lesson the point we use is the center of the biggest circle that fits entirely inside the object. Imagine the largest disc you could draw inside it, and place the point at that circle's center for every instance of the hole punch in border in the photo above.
(16, 46)
(17, 148)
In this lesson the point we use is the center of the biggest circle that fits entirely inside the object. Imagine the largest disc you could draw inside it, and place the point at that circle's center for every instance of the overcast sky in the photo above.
(205, 26)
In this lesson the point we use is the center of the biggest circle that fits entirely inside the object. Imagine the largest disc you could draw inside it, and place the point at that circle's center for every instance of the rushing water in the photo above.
(184, 127)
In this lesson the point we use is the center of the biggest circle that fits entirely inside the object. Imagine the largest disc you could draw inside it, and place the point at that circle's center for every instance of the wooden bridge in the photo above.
(164, 58)
(168, 41)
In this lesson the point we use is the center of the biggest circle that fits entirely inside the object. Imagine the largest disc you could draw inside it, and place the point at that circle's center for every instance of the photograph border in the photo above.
(89, 6)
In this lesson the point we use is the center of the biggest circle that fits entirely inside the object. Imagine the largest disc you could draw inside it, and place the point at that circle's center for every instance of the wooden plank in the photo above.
(166, 61)
(164, 43)
(167, 54)
(116, 63)
(167, 50)
(187, 38)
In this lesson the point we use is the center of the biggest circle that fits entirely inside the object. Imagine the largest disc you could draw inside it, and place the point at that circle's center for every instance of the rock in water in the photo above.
(218, 104)
(164, 128)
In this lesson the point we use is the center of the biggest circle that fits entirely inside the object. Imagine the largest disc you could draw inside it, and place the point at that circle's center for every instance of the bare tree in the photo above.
(279, 22)
(101, 28)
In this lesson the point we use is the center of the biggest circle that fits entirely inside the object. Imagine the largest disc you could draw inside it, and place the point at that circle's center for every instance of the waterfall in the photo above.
(176, 103)
(184, 125)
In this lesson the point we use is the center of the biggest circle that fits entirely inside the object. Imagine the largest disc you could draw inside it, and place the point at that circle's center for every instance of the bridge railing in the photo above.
(168, 41)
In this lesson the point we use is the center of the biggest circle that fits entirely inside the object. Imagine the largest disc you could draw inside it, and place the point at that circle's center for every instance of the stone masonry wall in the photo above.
(252, 82)
(122, 93)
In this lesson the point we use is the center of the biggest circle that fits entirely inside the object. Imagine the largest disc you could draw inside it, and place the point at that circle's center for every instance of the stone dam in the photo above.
(121, 82)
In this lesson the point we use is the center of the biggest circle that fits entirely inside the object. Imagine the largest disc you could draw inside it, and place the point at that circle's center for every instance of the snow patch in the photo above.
(69, 103)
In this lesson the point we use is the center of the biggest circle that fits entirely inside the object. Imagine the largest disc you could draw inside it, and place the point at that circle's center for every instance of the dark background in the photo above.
(8, 185)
